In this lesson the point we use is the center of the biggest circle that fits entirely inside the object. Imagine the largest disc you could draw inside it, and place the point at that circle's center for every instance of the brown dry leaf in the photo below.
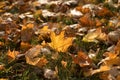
(104, 76)
(12, 55)
(59, 42)
(87, 21)
(2, 67)
(42, 62)
(2, 5)
(1, 43)
(118, 77)
(25, 46)
(27, 29)
(32, 55)
(98, 23)
(83, 10)
(117, 47)
(82, 59)
(104, 12)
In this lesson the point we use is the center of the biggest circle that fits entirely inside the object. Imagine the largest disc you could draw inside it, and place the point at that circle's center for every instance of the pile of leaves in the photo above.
(60, 39)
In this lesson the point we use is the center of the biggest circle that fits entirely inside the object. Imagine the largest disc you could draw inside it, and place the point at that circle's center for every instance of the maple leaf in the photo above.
(12, 55)
(59, 42)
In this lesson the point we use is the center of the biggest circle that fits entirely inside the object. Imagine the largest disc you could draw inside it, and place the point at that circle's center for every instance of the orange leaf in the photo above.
(104, 76)
(86, 20)
(12, 55)
(101, 69)
(82, 59)
(83, 10)
(25, 46)
(104, 12)
(42, 62)
(111, 59)
(2, 67)
(1, 43)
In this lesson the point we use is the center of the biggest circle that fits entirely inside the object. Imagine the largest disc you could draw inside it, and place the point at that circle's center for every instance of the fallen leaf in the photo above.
(92, 36)
(118, 77)
(45, 29)
(30, 25)
(2, 4)
(32, 55)
(104, 12)
(25, 46)
(59, 42)
(82, 59)
(1, 43)
(117, 47)
(42, 62)
(104, 76)
(27, 29)
(64, 63)
(101, 69)
(12, 55)
(3, 79)
(2, 67)
(86, 20)
(83, 10)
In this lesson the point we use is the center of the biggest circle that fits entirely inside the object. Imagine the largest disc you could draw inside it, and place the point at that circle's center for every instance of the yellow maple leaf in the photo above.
(59, 42)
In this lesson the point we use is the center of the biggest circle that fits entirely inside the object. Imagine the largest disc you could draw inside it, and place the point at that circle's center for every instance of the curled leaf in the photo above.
(91, 37)
(82, 59)
(32, 57)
